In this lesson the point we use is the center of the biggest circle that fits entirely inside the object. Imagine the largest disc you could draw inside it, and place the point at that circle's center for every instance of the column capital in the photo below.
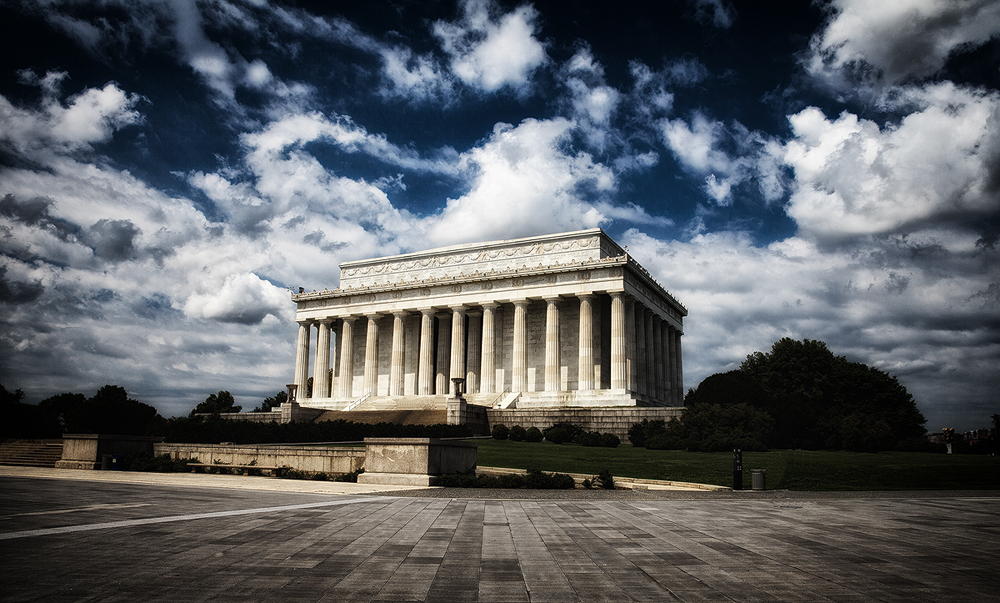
(586, 295)
(521, 302)
(401, 313)
(552, 299)
(458, 308)
(490, 304)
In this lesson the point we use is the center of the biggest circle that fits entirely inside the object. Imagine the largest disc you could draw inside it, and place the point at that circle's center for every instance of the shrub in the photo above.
(557, 435)
(516, 433)
(500, 432)
(610, 440)
(589, 438)
(639, 433)
(535, 479)
(349, 477)
(572, 429)
(533, 434)
(605, 480)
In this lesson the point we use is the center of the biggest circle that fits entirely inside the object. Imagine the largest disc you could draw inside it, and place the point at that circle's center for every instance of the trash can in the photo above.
(759, 480)
(118, 462)
(105, 462)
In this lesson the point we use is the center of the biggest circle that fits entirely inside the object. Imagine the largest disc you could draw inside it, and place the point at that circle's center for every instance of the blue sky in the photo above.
(168, 168)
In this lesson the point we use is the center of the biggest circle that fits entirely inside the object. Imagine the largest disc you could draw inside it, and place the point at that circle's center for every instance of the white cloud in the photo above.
(242, 298)
(592, 102)
(900, 40)
(86, 118)
(854, 178)
(524, 181)
(874, 303)
(717, 12)
(490, 53)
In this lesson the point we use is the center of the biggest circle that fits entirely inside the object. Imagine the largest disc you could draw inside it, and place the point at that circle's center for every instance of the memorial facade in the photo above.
(563, 320)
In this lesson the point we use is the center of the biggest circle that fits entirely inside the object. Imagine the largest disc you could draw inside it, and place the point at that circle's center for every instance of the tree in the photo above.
(816, 399)
(222, 402)
(25, 420)
(273, 402)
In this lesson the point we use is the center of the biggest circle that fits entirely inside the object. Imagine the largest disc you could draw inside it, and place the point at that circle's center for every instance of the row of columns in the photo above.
(645, 351)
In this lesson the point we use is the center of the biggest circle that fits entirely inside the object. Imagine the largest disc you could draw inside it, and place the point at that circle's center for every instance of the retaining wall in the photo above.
(615, 420)
(311, 459)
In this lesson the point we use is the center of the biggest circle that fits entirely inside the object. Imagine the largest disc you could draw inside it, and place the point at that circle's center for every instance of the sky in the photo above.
(170, 168)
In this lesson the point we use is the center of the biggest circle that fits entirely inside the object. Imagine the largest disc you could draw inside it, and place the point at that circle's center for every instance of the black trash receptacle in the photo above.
(105, 462)
(118, 462)
(759, 479)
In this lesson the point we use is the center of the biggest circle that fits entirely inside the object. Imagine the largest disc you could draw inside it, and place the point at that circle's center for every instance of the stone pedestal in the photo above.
(414, 461)
(457, 406)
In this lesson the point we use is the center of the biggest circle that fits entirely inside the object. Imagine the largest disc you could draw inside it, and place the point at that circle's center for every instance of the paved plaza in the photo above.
(82, 540)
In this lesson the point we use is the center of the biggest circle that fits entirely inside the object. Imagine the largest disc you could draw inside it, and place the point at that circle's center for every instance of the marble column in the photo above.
(519, 356)
(630, 344)
(658, 359)
(457, 347)
(640, 350)
(648, 366)
(487, 371)
(474, 348)
(671, 347)
(346, 389)
(302, 360)
(425, 370)
(585, 372)
(397, 362)
(371, 357)
(552, 364)
(441, 383)
(619, 343)
(679, 369)
(321, 370)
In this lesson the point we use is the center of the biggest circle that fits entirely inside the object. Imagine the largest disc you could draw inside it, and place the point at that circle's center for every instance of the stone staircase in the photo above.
(31, 453)
(403, 403)
(401, 416)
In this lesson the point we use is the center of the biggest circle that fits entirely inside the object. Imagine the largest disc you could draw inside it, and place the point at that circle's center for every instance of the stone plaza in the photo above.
(118, 536)
(567, 320)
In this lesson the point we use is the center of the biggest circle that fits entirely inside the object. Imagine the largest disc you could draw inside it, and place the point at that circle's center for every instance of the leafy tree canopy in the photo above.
(815, 399)
(273, 402)
(217, 404)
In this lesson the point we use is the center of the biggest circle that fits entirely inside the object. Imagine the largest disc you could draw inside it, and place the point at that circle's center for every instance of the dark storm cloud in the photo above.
(36, 212)
(113, 240)
(14, 292)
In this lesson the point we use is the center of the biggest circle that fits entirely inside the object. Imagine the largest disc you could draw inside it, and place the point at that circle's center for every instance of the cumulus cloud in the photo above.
(897, 41)
(919, 320)
(242, 298)
(855, 178)
(726, 156)
(525, 182)
(491, 53)
(716, 12)
(592, 102)
(83, 120)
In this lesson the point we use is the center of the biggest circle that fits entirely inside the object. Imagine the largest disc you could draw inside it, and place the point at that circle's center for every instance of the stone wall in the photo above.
(311, 459)
(605, 420)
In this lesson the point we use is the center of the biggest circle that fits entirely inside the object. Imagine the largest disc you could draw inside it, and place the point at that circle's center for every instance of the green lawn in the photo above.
(786, 469)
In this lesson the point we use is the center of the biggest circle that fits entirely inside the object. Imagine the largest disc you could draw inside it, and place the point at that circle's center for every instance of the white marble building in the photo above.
(563, 320)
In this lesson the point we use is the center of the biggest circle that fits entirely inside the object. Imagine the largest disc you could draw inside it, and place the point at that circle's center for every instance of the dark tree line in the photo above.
(109, 411)
(798, 395)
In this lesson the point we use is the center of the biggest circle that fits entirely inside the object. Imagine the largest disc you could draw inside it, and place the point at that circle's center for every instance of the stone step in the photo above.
(31, 453)
(403, 417)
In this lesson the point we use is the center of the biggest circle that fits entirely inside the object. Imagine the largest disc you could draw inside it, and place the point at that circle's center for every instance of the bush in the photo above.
(533, 434)
(212, 430)
(639, 433)
(605, 480)
(610, 440)
(535, 479)
(500, 432)
(349, 477)
(589, 438)
(516, 433)
(557, 435)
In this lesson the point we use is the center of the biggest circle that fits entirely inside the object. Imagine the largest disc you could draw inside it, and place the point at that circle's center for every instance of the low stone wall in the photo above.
(616, 420)
(310, 459)
(415, 461)
(84, 450)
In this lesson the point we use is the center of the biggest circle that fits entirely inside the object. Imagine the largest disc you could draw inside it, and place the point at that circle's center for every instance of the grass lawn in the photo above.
(786, 469)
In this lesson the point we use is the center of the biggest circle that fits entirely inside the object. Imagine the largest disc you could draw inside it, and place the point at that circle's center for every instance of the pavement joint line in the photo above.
(128, 523)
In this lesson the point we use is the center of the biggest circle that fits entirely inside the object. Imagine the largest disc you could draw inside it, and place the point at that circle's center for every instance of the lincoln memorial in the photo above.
(555, 321)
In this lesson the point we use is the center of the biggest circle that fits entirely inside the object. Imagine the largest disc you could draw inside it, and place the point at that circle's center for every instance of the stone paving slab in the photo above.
(85, 540)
